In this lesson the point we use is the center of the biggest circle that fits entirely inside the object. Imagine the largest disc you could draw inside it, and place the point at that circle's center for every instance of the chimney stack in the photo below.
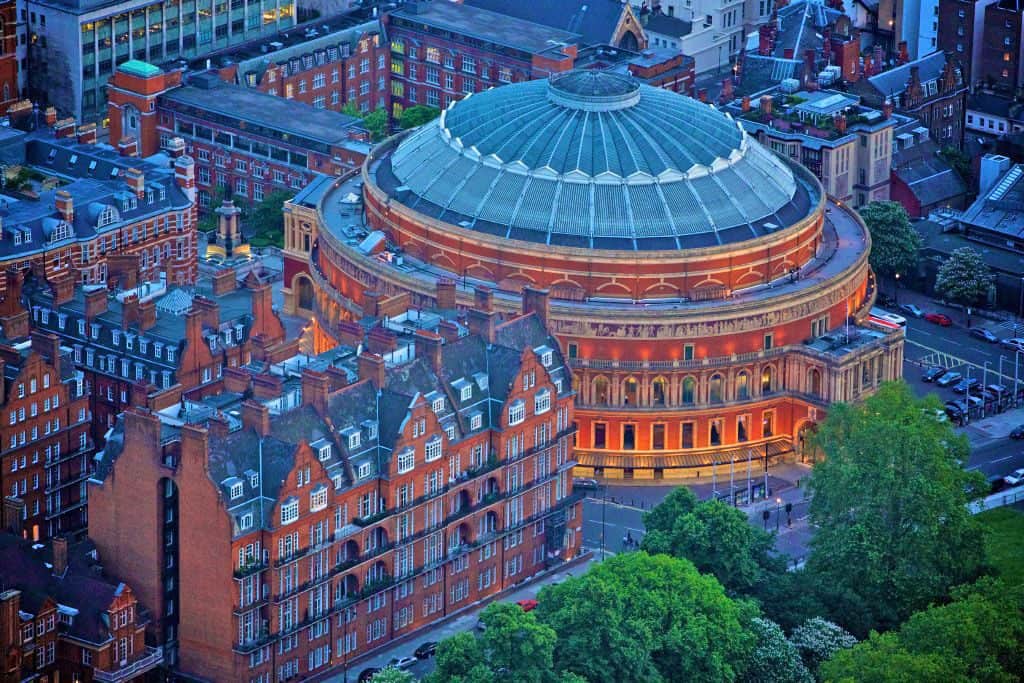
(537, 301)
(128, 147)
(484, 299)
(766, 106)
(745, 104)
(432, 345)
(887, 109)
(64, 128)
(445, 294)
(62, 286)
(315, 390)
(87, 134)
(50, 116)
(840, 122)
(60, 555)
(13, 508)
(95, 302)
(483, 323)
(371, 367)
(147, 315)
(225, 281)
(48, 346)
(65, 205)
(136, 180)
(381, 340)
(256, 416)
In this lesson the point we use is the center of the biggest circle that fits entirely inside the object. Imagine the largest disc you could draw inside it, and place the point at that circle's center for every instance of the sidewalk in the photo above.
(994, 427)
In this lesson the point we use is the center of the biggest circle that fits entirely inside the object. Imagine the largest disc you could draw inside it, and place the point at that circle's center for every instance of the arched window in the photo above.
(715, 389)
(814, 381)
(305, 294)
(742, 386)
(659, 391)
(766, 380)
(600, 393)
(629, 389)
(689, 390)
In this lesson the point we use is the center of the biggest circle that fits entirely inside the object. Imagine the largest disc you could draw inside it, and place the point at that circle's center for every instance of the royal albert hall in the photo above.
(711, 300)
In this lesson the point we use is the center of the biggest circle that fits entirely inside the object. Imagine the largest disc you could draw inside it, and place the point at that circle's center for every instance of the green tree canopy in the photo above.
(975, 638)
(375, 122)
(964, 277)
(640, 617)
(893, 530)
(716, 537)
(460, 659)
(817, 640)
(417, 116)
(392, 675)
(774, 659)
(894, 242)
(266, 219)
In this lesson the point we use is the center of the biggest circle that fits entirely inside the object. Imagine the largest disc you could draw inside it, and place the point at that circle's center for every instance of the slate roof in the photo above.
(928, 175)
(894, 81)
(24, 568)
(595, 20)
(1001, 208)
(666, 25)
(990, 104)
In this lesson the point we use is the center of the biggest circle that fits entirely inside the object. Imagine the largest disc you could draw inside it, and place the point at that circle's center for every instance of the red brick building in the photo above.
(45, 446)
(409, 482)
(246, 144)
(61, 619)
(9, 91)
(141, 343)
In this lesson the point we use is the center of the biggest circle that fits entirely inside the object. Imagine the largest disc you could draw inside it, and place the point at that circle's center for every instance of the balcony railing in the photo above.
(153, 658)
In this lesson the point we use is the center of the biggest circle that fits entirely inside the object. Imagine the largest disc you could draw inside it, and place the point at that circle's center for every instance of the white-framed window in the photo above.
(547, 358)
(318, 498)
(325, 452)
(364, 470)
(406, 460)
(432, 450)
(236, 490)
(437, 405)
(246, 521)
(516, 412)
(466, 393)
(289, 511)
(542, 401)
(354, 440)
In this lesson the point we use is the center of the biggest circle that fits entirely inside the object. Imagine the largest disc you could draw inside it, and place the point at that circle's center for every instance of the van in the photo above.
(884, 315)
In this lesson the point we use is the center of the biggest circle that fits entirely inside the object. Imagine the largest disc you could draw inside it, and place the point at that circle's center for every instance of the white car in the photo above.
(402, 662)
(1015, 478)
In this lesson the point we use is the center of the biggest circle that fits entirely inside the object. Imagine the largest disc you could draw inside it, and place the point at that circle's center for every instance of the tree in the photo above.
(889, 503)
(208, 221)
(377, 123)
(964, 277)
(775, 659)
(960, 161)
(392, 675)
(975, 638)
(266, 219)
(640, 617)
(716, 537)
(460, 659)
(416, 116)
(894, 242)
(817, 640)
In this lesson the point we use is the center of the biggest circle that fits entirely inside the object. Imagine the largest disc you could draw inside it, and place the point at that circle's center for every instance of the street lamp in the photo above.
(778, 512)
(984, 383)
(897, 289)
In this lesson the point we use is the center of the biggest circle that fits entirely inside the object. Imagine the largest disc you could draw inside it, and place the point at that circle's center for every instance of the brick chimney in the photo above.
(745, 104)
(13, 508)
(349, 333)
(483, 323)
(256, 416)
(235, 380)
(840, 122)
(483, 299)
(225, 281)
(265, 385)
(726, 95)
(448, 330)
(64, 128)
(372, 367)
(175, 147)
(65, 205)
(209, 311)
(537, 301)
(129, 311)
(62, 286)
(764, 40)
(218, 426)
(766, 106)
(445, 294)
(315, 390)
(432, 345)
(185, 175)
(95, 302)
(147, 315)
(136, 180)
(48, 346)
(128, 147)
(87, 134)
(702, 94)
(60, 555)
(50, 116)
(139, 393)
(381, 340)
(371, 303)
(887, 109)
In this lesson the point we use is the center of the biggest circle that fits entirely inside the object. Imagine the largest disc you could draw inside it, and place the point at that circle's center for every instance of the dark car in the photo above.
(949, 378)
(1017, 433)
(425, 650)
(940, 319)
(886, 300)
(933, 373)
(982, 333)
(965, 385)
(368, 673)
(999, 390)
(584, 484)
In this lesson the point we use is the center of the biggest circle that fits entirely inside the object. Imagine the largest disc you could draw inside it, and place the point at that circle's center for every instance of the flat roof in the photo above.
(501, 29)
(210, 94)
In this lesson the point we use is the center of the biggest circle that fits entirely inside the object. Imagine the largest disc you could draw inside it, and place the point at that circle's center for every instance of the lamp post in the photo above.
(778, 512)
(897, 289)
(604, 506)
(984, 383)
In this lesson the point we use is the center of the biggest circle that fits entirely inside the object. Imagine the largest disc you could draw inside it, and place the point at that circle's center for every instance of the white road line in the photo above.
(992, 372)
(1000, 459)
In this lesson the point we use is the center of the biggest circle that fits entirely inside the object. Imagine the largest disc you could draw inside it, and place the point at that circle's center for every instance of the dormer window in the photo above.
(254, 480)
(289, 511)
(325, 452)
(115, 337)
(81, 328)
(239, 333)
(466, 393)
(449, 430)
(236, 490)
(245, 522)
(170, 354)
(371, 429)
(476, 421)
(158, 349)
(437, 405)
(432, 450)
(318, 498)
(95, 331)
(546, 359)
(338, 481)
(364, 470)
(353, 439)
(213, 342)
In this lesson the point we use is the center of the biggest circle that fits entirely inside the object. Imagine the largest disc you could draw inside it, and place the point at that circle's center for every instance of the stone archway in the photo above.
(303, 288)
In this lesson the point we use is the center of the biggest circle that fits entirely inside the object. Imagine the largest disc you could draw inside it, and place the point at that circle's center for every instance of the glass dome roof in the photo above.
(595, 159)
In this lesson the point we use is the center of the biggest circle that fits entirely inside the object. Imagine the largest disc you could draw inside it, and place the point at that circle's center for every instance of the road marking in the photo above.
(937, 357)
(1000, 459)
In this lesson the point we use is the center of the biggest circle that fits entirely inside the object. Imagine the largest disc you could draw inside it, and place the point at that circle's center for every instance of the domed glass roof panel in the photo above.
(597, 157)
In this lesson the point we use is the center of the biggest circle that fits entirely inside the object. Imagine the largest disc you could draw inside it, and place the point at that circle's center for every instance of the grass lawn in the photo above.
(1004, 548)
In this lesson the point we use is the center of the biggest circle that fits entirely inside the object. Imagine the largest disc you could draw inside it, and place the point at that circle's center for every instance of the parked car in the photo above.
(939, 319)
(480, 625)
(585, 484)
(933, 373)
(426, 650)
(1013, 343)
(912, 310)
(1015, 478)
(999, 390)
(939, 415)
(403, 662)
(368, 673)
(956, 411)
(982, 333)
(1017, 433)
(885, 300)
(974, 401)
(528, 604)
(965, 385)
(949, 378)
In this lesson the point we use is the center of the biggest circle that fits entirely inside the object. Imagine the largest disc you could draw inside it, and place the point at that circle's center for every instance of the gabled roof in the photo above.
(595, 20)
(894, 81)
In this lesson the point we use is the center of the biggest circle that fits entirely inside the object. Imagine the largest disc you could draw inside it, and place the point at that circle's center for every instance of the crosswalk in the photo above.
(940, 359)
(934, 357)
(1010, 327)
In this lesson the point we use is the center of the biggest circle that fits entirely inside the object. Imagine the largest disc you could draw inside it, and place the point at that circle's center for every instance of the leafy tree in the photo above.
(417, 116)
(460, 659)
(716, 537)
(817, 640)
(789, 598)
(975, 638)
(392, 675)
(208, 221)
(894, 242)
(640, 617)
(960, 162)
(377, 123)
(964, 277)
(893, 530)
(266, 219)
(775, 659)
